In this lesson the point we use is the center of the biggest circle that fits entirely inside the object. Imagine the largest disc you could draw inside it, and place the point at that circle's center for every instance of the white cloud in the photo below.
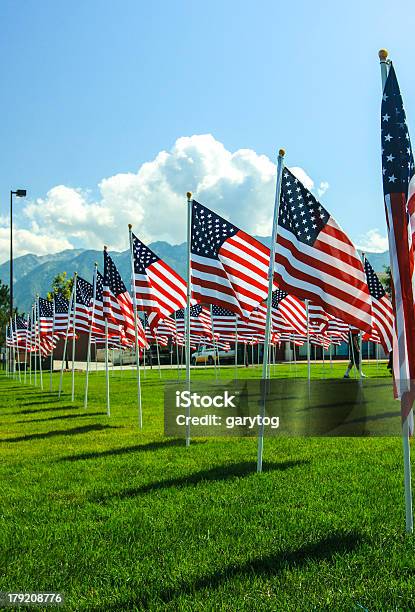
(239, 186)
(25, 241)
(373, 242)
(322, 189)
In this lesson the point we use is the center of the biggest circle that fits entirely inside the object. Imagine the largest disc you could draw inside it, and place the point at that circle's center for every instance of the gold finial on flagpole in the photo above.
(189, 195)
(383, 55)
(105, 247)
(281, 152)
(130, 226)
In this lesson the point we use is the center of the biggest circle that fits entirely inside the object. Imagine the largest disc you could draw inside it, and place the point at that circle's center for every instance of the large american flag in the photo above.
(398, 188)
(159, 290)
(118, 306)
(229, 268)
(292, 309)
(316, 260)
(381, 307)
(83, 304)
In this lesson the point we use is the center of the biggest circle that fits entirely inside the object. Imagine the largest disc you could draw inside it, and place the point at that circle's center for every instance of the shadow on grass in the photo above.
(59, 432)
(65, 416)
(48, 409)
(219, 473)
(111, 452)
(324, 550)
(47, 400)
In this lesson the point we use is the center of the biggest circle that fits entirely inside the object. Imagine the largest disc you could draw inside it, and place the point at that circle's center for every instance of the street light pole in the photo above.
(20, 193)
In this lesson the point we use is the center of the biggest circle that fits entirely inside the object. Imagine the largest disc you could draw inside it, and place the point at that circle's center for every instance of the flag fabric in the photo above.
(223, 322)
(292, 309)
(61, 314)
(316, 260)
(229, 267)
(45, 317)
(381, 307)
(117, 303)
(83, 305)
(159, 290)
(200, 321)
(20, 331)
(398, 188)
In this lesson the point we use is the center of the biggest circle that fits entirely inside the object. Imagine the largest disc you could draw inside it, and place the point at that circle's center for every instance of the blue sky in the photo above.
(95, 89)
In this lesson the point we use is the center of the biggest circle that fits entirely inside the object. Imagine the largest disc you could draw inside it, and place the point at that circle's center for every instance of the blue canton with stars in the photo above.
(397, 158)
(277, 296)
(218, 311)
(99, 291)
(376, 289)
(209, 231)
(83, 291)
(112, 278)
(194, 311)
(45, 308)
(143, 256)
(300, 213)
(61, 304)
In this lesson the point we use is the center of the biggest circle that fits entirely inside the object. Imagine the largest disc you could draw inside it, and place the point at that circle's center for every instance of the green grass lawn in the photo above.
(122, 519)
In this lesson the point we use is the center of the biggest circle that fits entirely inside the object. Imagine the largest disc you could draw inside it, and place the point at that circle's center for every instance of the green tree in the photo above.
(61, 284)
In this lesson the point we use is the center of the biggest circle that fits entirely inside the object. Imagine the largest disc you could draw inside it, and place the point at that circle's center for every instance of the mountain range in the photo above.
(34, 273)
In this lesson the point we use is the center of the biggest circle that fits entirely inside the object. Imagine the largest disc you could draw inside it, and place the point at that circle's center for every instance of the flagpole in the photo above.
(280, 167)
(308, 340)
(53, 346)
(88, 356)
(137, 355)
(65, 343)
(383, 54)
(31, 347)
(7, 352)
(177, 346)
(188, 297)
(25, 351)
(17, 344)
(213, 341)
(107, 374)
(73, 336)
(158, 356)
(236, 347)
(39, 344)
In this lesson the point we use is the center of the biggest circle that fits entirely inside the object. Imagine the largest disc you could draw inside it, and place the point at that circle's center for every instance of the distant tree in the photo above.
(61, 284)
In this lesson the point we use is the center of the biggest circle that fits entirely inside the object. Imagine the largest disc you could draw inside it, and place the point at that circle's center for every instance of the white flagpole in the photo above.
(308, 341)
(107, 374)
(269, 301)
(73, 336)
(31, 346)
(383, 54)
(137, 354)
(25, 350)
(236, 347)
(7, 352)
(214, 342)
(39, 345)
(158, 357)
(66, 341)
(13, 347)
(51, 355)
(18, 352)
(88, 356)
(187, 315)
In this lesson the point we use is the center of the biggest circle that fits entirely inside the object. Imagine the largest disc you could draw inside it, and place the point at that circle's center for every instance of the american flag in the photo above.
(229, 268)
(45, 317)
(159, 290)
(337, 329)
(61, 314)
(20, 331)
(316, 260)
(200, 321)
(381, 307)
(223, 322)
(398, 188)
(292, 309)
(118, 306)
(83, 305)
